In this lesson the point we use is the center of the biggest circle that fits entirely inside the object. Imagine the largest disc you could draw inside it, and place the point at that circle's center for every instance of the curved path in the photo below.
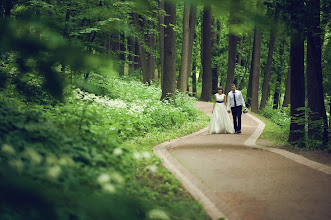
(235, 179)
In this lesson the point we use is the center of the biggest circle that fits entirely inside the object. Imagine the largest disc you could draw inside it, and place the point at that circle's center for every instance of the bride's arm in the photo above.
(224, 101)
(214, 104)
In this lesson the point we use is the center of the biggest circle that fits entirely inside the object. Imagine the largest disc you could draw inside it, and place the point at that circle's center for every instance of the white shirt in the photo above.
(239, 99)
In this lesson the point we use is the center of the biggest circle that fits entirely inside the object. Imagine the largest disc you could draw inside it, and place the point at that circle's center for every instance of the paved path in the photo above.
(235, 179)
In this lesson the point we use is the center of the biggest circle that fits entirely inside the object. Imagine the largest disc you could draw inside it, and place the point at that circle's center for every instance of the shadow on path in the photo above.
(234, 181)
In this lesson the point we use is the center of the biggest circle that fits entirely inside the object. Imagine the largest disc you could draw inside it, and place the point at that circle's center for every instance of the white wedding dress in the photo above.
(220, 121)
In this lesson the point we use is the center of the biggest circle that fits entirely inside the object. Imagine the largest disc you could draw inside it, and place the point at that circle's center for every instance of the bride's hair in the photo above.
(220, 88)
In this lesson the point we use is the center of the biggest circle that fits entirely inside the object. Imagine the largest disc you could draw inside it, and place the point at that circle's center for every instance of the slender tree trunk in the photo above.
(136, 57)
(194, 77)
(169, 79)
(266, 80)
(288, 89)
(151, 55)
(161, 39)
(239, 59)
(279, 76)
(215, 42)
(184, 71)
(206, 53)
(232, 45)
(317, 123)
(122, 53)
(141, 51)
(249, 88)
(256, 65)
(132, 52)
(297, 129)
(192, 24)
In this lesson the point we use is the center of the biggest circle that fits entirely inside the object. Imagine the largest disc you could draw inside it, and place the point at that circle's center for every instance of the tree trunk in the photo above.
(141, 51)
(317, 123)
(151, 56)
(192, 24)
(122, 51)
(161, 38)
(266, 80)
(184, 71)
(288, 89)
(239, 60)
(169, 79)
(206, 54)
(194, 77)
(256, 66)
(132, 52)
(279, 76)
(297, 128)
(242, 82)
(215, 42)
(232, 45)
(249, 88)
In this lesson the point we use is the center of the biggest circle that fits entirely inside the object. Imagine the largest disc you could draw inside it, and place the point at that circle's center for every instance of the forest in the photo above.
(88, 87)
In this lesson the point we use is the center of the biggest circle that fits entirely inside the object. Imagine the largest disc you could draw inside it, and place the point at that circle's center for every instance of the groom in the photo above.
(236, 100)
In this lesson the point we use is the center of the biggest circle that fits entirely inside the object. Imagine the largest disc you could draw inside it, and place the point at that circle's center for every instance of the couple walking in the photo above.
(220, 121)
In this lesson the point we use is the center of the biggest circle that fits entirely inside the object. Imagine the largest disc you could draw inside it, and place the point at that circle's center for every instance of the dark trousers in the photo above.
(236, 114)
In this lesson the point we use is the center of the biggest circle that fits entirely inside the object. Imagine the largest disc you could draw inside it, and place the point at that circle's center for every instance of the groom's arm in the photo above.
(228, 103)
(242, 100)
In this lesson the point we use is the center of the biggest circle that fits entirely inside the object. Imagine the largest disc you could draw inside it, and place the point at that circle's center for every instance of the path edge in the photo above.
(251, 142)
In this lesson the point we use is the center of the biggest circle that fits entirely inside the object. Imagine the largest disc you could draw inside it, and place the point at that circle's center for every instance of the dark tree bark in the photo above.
(256, 65)
(132, 52)
(122, 51)
(287, 95)
(192, 24)
(242, 82)
(194, 77)
(161, 39)
(151, 56)
(279, 76)
(266, 80)
(297, 129)
(136, 57)
(317, 123)
(234, 4)
(239, 59)
(215, 43)
(206, 54)
(169, 79)
(184, 71)
(141, 51)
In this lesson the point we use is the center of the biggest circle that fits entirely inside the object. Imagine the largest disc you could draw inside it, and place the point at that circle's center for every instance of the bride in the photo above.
(220, 121)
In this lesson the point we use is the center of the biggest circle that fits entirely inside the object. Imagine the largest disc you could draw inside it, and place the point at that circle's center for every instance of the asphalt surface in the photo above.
(237, 181)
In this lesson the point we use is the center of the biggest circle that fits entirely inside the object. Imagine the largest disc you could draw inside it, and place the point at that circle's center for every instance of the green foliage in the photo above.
(71, 163)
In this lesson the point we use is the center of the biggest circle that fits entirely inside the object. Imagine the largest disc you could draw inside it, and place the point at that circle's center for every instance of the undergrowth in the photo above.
(90, 156)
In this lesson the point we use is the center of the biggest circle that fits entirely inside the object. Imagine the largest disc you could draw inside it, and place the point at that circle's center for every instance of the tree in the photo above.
(206, 55)
(256, 64)
(287, 95)
(234, 4)
(215, 54)
(161, 39)
(317, 123)
(169, 78)
(266, 80)
(297, 128)
(184, 68)
(192, 24)
(279, 76)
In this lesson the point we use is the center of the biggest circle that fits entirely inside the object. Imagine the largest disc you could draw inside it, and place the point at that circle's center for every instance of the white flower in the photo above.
(103, 178)
(137, 156)
(33, 155)
(152, 168)
(146, 155)
(117, 177)
(8, 149)
(158, 214)
(109, 188)
(54, 171)
(117, 151)
(51, 159)
(16, 164)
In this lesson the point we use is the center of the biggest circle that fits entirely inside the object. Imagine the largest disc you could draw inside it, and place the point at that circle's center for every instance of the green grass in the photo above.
(272, 131)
